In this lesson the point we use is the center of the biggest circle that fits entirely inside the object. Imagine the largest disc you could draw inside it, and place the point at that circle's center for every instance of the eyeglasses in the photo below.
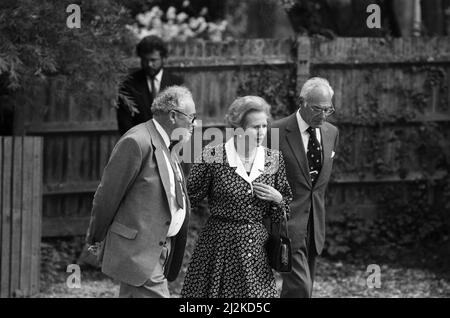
(191, 117)
(327, 110)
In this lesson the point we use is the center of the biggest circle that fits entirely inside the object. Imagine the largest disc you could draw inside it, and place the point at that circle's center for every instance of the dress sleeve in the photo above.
(282, 185)
(199, 181)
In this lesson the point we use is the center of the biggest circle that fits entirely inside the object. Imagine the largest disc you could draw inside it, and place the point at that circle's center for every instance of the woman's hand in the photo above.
(267, 193)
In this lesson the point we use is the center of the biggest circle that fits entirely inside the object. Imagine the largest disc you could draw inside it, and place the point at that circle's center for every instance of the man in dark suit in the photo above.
(141, 208)
(308, 144)
(142, 86)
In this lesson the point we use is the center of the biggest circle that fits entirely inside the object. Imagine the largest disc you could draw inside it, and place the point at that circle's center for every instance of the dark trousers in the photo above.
(299, 282)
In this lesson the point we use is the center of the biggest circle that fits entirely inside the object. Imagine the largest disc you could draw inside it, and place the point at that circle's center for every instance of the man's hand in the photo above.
(133, 110)
(95, 249)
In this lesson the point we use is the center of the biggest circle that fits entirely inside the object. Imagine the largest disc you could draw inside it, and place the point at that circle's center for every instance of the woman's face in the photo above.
(256, 126)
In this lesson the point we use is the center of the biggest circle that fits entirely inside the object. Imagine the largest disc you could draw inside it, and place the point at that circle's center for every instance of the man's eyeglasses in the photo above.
(191, 117)
(326, 110)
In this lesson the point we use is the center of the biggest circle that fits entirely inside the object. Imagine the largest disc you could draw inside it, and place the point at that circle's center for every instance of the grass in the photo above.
(335, 279)
(408, 276)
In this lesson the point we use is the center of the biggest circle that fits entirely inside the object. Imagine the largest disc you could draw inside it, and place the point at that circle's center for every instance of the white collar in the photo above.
(162, 132)
(235, 161)
(157, 76)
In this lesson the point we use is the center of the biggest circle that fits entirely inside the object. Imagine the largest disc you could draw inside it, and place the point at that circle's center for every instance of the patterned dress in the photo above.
(229, 259)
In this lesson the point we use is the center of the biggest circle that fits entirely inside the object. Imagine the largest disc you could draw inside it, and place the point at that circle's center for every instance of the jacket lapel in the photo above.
(327, 144)
(235, 162)
(164, 81)
(295, 141)
(142, 87)
(258, 164)
(160, 160)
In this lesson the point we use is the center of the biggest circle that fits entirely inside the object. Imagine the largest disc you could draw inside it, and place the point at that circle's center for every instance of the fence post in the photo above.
(303, 61)
(20, 212)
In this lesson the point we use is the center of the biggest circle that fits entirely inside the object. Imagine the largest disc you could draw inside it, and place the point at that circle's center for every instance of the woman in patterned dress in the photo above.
(244, 183)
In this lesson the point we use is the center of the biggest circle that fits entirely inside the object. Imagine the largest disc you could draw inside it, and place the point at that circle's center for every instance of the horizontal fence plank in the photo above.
(70, 187)
(367, 178)
(91, 186)
(64, 226)
(236, 53)
(87, 127)
(218, 62)
(111, 126)
(419, 119)
(363, 51)
(70, 127)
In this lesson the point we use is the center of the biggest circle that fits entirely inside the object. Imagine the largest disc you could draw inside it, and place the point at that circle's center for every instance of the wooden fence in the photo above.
(20, 207)
(403, 84)
(368, 75)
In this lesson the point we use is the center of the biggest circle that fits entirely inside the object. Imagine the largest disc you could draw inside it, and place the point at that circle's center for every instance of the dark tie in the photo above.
(152, 81)
(314, 155)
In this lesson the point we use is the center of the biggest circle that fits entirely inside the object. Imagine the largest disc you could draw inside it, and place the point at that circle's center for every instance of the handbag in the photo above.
(278, 246)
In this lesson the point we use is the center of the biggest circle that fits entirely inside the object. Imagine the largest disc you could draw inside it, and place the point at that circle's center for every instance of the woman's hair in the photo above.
(242, 106)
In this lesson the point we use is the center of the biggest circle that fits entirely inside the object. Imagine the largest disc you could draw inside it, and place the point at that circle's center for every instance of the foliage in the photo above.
(275, 85)
(178, 25)
(405, 221)
(56, 255)
(410, 215)
(333, 278)
(36, 45)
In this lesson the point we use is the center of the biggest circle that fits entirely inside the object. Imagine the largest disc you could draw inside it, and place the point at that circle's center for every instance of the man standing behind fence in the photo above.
(141, 208)
(141, 87)
(308, 144)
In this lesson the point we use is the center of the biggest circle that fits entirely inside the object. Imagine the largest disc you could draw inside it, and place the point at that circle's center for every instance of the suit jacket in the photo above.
(136, 88)
(307, 198)
(131, 211)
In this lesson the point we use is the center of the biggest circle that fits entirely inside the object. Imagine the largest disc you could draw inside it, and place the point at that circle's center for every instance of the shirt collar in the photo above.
(162, 132)
(158, 76)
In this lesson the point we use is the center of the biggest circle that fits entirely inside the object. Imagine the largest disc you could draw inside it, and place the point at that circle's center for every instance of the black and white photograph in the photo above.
(247, 151)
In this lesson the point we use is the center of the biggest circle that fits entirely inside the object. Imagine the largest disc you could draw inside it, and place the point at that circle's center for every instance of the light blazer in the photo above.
(131, 209)
(307, 198)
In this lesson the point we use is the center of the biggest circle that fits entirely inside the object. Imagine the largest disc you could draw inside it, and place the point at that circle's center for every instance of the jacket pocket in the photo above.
(123, 230)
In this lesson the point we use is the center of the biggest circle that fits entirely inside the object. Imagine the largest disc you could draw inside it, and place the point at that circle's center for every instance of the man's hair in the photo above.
(312, 83)
(149, 44)
(169, 99)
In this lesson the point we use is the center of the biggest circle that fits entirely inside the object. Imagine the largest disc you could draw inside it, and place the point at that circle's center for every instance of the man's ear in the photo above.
(301, 101)
(172, 117)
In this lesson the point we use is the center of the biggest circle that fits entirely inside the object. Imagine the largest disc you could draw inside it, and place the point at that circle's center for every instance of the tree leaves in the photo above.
(36, 43)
